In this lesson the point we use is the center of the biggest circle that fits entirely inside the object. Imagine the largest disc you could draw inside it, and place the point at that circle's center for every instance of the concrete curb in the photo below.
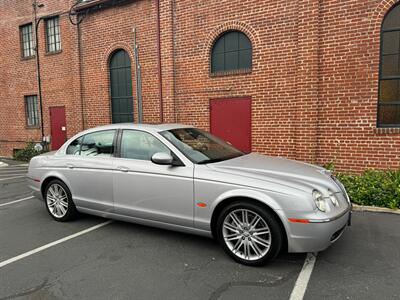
(375, 209)
(3, 164)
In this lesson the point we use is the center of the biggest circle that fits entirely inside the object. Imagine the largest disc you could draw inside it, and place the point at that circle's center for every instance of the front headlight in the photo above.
(319, 200)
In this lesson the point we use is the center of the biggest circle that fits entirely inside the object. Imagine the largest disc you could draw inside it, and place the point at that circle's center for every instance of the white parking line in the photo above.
(12, 174)
(39, 249)
(16, 201)
(302, 281)
(16, 166)
(11, 178)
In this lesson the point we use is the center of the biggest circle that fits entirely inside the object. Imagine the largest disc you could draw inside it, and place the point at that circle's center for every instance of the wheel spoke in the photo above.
(245, 217)
(63, 198)
(56, 190)
(230, 227)
(255, 248)
(261, 241)
(254, 222)
(233, 237)
(235, 219)
(262, 230)
(52, 192)
(237, 246)
(51, 199)
(266, 231)
(62, 209)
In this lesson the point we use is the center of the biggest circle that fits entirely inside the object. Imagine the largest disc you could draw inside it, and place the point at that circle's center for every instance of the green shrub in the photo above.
(27, 153)
(373, 187)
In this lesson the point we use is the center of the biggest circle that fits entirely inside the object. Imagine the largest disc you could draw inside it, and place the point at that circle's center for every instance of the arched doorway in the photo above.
(121, 87)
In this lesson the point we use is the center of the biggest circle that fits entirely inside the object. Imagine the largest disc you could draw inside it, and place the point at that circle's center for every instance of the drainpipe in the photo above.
(39, 81)
(81, 87)
(160, 92)
(138, 78)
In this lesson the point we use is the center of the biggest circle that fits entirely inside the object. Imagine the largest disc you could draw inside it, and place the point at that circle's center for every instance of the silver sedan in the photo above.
(181, 178)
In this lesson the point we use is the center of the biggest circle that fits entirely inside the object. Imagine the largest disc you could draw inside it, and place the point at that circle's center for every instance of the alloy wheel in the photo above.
(57, 200)
(246, 234)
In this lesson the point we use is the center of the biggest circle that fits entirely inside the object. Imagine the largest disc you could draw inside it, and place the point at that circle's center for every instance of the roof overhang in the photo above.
(96, 4)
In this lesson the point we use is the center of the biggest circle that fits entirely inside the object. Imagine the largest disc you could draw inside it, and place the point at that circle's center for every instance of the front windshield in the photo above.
(199, 146)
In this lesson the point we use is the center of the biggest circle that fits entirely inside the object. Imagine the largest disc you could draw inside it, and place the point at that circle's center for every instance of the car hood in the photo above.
(279, 170)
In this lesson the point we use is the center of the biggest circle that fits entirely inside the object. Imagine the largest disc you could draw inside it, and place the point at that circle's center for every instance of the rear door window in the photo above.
(99, 144)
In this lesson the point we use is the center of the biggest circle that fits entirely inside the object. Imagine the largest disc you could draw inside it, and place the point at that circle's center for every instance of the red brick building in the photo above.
(314, 80)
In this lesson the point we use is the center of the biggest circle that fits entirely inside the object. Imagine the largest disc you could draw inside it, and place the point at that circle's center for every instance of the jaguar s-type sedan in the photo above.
(182, 178)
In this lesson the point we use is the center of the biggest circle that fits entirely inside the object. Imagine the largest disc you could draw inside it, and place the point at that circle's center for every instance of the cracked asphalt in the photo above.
(128, 261)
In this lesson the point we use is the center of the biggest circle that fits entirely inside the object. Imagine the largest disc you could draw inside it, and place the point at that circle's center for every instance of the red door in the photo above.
(58, 127)
(230, 119)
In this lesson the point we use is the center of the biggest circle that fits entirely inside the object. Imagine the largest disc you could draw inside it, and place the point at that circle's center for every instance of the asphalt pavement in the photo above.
(44, 259)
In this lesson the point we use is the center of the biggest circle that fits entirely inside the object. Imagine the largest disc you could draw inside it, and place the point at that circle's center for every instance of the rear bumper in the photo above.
(35, 187)
(317, 236)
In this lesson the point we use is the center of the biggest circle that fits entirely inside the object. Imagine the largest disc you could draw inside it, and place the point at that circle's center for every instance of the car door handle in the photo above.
(123, 169)
(70, 166)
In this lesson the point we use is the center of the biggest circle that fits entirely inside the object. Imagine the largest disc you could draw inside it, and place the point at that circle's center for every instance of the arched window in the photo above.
(121, 87)
(389, 77)
(232, 51)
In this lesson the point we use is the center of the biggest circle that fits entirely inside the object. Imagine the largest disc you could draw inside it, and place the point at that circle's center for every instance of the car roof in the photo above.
(145, 127)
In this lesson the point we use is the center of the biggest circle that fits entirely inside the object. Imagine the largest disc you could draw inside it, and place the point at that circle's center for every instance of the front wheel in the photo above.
(59, 202)
(249, 233)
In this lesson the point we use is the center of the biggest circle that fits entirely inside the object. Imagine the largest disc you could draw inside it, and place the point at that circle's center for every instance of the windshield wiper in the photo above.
(209, 161)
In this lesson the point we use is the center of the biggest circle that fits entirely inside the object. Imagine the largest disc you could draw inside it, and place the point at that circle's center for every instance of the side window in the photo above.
(75, 147)
(98, 144)
(140, 145)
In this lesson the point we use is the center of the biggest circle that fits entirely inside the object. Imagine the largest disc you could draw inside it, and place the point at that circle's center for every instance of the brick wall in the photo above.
(313, 83)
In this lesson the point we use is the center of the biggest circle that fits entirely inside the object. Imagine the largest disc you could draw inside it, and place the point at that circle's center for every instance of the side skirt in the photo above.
(146, 222)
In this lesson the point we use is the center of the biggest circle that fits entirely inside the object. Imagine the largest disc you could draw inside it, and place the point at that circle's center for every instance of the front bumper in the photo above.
(318, 234)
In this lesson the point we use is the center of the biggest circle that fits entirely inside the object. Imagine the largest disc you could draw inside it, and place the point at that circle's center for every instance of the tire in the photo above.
(254, 242)
(58, 200)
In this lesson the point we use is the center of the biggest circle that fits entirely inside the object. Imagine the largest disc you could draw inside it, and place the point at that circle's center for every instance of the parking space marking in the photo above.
(12, 174)
(304, 277)
(16, 201)
(8, 178)
(14, 168)
(44, 247)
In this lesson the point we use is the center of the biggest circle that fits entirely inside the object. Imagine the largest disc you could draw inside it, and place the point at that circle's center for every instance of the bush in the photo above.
(373, 187)
(27, 153)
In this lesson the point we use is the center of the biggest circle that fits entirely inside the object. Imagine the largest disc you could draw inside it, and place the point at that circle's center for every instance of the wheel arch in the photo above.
(222, 204)
(49, 178)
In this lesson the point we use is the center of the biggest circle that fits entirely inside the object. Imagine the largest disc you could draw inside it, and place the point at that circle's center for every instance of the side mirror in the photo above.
(162, 158)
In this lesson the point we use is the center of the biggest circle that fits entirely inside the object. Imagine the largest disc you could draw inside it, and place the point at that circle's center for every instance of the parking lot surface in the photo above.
(127, 261)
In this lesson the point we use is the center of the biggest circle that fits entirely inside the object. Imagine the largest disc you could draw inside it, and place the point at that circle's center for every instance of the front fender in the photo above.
(245, 193)
(203, 213)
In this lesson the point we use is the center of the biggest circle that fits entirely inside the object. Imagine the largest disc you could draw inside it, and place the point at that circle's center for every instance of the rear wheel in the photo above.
(59, 202)
(249, 233)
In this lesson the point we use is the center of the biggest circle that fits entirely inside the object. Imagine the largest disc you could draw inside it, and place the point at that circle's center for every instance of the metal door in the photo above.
(230, 119)
(121, 87)
(58, 127)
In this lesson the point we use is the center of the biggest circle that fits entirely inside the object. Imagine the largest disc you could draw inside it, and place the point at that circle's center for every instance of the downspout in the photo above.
(81, 75)
(39, 80)
(160, 92)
